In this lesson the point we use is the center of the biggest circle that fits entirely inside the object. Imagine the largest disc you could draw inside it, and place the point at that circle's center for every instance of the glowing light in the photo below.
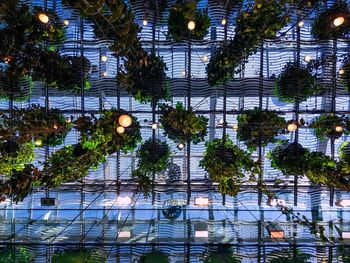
(120, 129)
(183, 73)
(66, 22)
(341, 71)
(125, 120)
(105, 74)
(145, 22)
(201, 234)
(205, 58)
(154, 126)
(104, 58)
(221, 121)
(201, 201)
(307, 58)
(223, 21)
(125, 234)
(43, 18)
(180, 146)
(301, 23)
(338, 128)
(276, 234)
(124, 200)
(191, 25)
(55, 126)
(38, 142)
(343, 202)
(338, 21)
(292, 127)
(235, 127)
(68, 120)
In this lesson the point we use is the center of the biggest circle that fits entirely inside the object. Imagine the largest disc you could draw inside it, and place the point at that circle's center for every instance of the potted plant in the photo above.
(325, 27)
(183, 12)
(181, 125)
(14, 156)
(144, 77)
(259, 127)
(330, 125)
(295, 84)
(289, 158)
(227, 165)
(344, 73)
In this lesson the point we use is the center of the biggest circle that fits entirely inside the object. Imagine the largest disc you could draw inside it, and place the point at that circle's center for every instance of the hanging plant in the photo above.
(144, 77)
(295, 84)
(181, 125)
(12, 87)
(14, 156)
(16, 254)
(102, 133)
(330, 126)
(260, 22)
(289, 158)
(227, 165)
(286, 256)
(345, 73)
(152, 257)
(344, 152)
(221, 254)
(324, 26)
(78, 256)
(182, 13)
(259, 127)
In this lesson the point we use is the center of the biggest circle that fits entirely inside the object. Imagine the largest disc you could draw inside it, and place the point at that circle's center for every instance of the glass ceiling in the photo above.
(87, 214)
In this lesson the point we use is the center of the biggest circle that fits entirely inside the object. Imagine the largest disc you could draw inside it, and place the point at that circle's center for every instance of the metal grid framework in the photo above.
(87, 213)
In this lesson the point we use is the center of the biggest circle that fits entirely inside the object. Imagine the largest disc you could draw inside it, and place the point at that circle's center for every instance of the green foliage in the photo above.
(259, 127)
(152, 257)
(344, 152)
(18, 254)
(144, 77)
(101, 134)
(289, 158)
(78, 256)
(261, 21)
(325, 126)
(345, 78)
(221, 254)
(180, 124)
(14, 87)
(286, 256)
(183, 12)
(227, 165)
(14, 157)
(323, 27)
(295, 84)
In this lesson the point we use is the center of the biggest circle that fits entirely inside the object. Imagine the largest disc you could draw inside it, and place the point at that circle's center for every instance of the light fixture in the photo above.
(68, 120)
(43, 18)
(338, 128)
(104, 58)
(338, 21)
(66, 22)
(124, 234)
(191, 25)
(120, 129)
(125, 120)
(145, 22)
(201, 201)
(154, 126)
(301, 23)
(55, 126)
(201, 230)
(180, 146)
(292, 127)
(205, 58)
(235, 127)
(183, 73)
(223, 21)
(343, 202)
(124, 200)
(276, 234)
(307, 58)
(38, 142)
(341, 71)
(105, 74)
(221, 121)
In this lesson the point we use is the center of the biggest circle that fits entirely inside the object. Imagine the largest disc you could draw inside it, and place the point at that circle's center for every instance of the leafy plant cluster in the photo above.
(181, 125)
(259, 127)
(228, 165)
(16, 254)
(295, 84)
(326, 125)
(323, 27)
(183, 12)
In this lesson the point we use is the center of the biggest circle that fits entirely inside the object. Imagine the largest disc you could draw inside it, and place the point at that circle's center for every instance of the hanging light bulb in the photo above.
(205, 58)
(301, 23)
(338, 128)
(191, 25)
(66, 22)
(145, 22)
(338, 21)
(120, 129)
(183, 73)
(38, 142)
(104, 58)
(235, 127)
(180, 146)
(292, 127)
(307, 58)
(223, 21)
(125, 120)
(154, 126)
(341, 71)
(105, 74)
(221, 121)
(43, 18)
(55, 126)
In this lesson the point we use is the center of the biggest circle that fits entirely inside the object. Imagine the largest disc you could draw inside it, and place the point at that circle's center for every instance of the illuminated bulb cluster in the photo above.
(43, 18)
(125, 120)
(191, 25)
